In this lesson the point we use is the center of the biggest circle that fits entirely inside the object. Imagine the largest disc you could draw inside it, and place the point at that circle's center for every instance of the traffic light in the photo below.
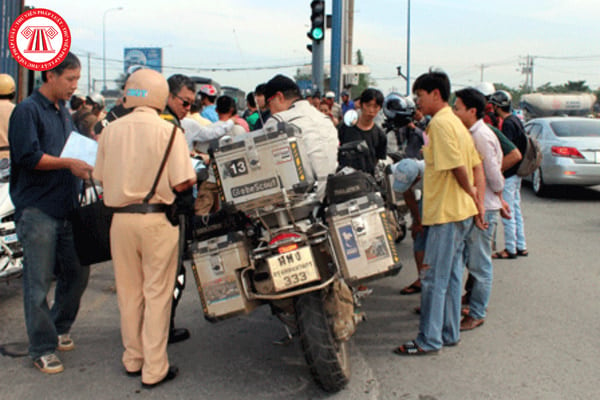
(317, 18)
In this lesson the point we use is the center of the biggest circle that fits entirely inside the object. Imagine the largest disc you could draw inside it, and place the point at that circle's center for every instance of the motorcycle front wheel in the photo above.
(10, 268)
(328, 359)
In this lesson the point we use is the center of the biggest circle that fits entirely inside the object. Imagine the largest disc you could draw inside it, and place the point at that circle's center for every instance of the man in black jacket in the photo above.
(514, 228)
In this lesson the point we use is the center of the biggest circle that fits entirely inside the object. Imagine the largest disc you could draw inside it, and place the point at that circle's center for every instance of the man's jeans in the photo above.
(514, 229)
(48, 250)
(441, 284)
(479, 262)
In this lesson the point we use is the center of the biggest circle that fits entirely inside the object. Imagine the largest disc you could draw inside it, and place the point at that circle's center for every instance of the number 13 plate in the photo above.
(293, 269)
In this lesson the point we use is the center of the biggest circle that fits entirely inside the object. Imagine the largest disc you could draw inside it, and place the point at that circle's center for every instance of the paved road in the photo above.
(540, 340)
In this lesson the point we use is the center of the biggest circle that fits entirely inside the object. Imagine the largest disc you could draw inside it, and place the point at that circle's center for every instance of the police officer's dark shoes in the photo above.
(178, 335)
(171, 374)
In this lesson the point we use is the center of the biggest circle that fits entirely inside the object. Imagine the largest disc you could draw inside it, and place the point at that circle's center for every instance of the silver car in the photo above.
(571, 151)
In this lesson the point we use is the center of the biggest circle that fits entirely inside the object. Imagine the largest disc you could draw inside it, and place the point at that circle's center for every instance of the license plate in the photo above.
(293, 269)
(8, 239)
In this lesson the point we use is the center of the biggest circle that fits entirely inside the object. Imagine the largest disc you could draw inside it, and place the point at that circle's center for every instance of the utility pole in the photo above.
(407, 51)
(348, 31)
(527, 70)
(89, 72)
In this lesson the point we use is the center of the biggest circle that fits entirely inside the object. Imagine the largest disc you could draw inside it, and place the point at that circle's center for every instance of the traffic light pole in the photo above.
(317, 34)
(336, 47)
(318, 51)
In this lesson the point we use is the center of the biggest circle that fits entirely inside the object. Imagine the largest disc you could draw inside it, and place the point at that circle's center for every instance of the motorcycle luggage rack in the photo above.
(280, 296)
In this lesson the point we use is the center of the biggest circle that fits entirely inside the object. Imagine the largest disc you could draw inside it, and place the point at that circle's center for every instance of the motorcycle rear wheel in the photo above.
(328, 359)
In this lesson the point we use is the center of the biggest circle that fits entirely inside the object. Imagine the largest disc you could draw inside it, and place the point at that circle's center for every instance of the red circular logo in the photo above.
(39, 39)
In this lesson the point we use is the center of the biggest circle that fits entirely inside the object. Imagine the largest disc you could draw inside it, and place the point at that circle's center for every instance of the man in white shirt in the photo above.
(469, 108)
(319, 136)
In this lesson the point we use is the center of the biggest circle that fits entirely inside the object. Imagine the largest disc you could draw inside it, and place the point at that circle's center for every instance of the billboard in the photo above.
(150, 57)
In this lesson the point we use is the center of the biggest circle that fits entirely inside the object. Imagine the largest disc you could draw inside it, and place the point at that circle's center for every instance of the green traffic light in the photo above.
(317, 33)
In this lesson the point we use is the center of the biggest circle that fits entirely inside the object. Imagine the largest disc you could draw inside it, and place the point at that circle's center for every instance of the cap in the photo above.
(330, 95)
(345, 93)
(279, 83)
(208, 90)
(405, 172)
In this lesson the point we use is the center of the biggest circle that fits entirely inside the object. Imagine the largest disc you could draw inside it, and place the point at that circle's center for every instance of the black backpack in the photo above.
(357, 155)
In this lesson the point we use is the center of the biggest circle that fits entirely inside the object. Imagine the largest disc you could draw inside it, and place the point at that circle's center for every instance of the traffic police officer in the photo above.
(143, 241)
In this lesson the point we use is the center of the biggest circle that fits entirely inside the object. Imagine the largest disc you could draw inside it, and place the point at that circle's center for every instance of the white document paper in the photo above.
(81, 148)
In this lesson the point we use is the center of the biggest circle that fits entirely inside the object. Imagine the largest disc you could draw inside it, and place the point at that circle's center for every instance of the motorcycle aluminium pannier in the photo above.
(363, 239)
(217, 263)
(252, 168)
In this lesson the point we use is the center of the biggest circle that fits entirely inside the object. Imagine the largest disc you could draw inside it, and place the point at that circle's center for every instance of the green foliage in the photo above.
(569, 87)
(364, 80)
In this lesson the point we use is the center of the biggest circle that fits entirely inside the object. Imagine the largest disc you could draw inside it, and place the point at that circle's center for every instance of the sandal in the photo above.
(522, 253)
(411, 289)
(412, 349)
(504, 255)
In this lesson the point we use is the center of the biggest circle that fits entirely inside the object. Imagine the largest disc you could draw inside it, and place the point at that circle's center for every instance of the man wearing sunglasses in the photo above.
(182, 91)
(182, 94)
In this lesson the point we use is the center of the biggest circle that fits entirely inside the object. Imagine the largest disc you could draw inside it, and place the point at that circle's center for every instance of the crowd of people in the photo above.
(464, 168)
(465, 179)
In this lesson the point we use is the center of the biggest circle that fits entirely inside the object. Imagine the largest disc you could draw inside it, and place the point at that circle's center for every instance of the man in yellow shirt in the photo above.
(453, 188)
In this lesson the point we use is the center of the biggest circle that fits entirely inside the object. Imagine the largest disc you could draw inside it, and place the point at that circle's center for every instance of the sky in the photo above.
(202, 38)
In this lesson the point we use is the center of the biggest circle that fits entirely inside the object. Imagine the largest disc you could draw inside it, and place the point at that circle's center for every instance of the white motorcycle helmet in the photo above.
(96, 99)
(485, 88)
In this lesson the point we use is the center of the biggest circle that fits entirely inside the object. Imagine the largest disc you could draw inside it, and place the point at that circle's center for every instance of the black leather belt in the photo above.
(4, 148)
(142, 208)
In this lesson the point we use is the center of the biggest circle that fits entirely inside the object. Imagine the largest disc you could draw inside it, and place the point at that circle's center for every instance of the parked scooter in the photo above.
(11, 251)
(277, 245)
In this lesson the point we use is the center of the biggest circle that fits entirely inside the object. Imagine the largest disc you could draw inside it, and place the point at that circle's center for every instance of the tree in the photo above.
(364, 80)
(515, 93)
(577, 86)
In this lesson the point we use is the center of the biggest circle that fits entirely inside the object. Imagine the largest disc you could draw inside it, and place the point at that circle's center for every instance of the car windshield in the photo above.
(577, 128)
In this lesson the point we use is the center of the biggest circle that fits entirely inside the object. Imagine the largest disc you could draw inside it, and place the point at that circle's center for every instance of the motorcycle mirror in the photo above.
(350, 117)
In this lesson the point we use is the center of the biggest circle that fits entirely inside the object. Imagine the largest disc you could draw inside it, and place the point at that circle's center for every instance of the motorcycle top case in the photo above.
(362, 238)
(343, 187)
(252, 168)
(216, 265)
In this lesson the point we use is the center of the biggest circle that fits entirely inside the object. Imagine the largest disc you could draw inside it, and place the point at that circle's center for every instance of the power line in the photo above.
(215, 69)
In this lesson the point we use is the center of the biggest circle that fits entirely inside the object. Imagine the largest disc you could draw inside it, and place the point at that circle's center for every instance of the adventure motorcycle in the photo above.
(274, 243)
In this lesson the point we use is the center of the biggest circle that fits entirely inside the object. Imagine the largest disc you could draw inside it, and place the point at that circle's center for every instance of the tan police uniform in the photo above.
(6, 108)
(143, 246)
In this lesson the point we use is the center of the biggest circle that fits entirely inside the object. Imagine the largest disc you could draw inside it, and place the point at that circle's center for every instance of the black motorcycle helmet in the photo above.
(398, 110)
(501, 98)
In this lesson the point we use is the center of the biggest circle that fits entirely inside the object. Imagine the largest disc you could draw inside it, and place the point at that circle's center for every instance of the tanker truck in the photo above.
(537, 105)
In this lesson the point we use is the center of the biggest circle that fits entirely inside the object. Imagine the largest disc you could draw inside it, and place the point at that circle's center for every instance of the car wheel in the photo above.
(539, 187)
